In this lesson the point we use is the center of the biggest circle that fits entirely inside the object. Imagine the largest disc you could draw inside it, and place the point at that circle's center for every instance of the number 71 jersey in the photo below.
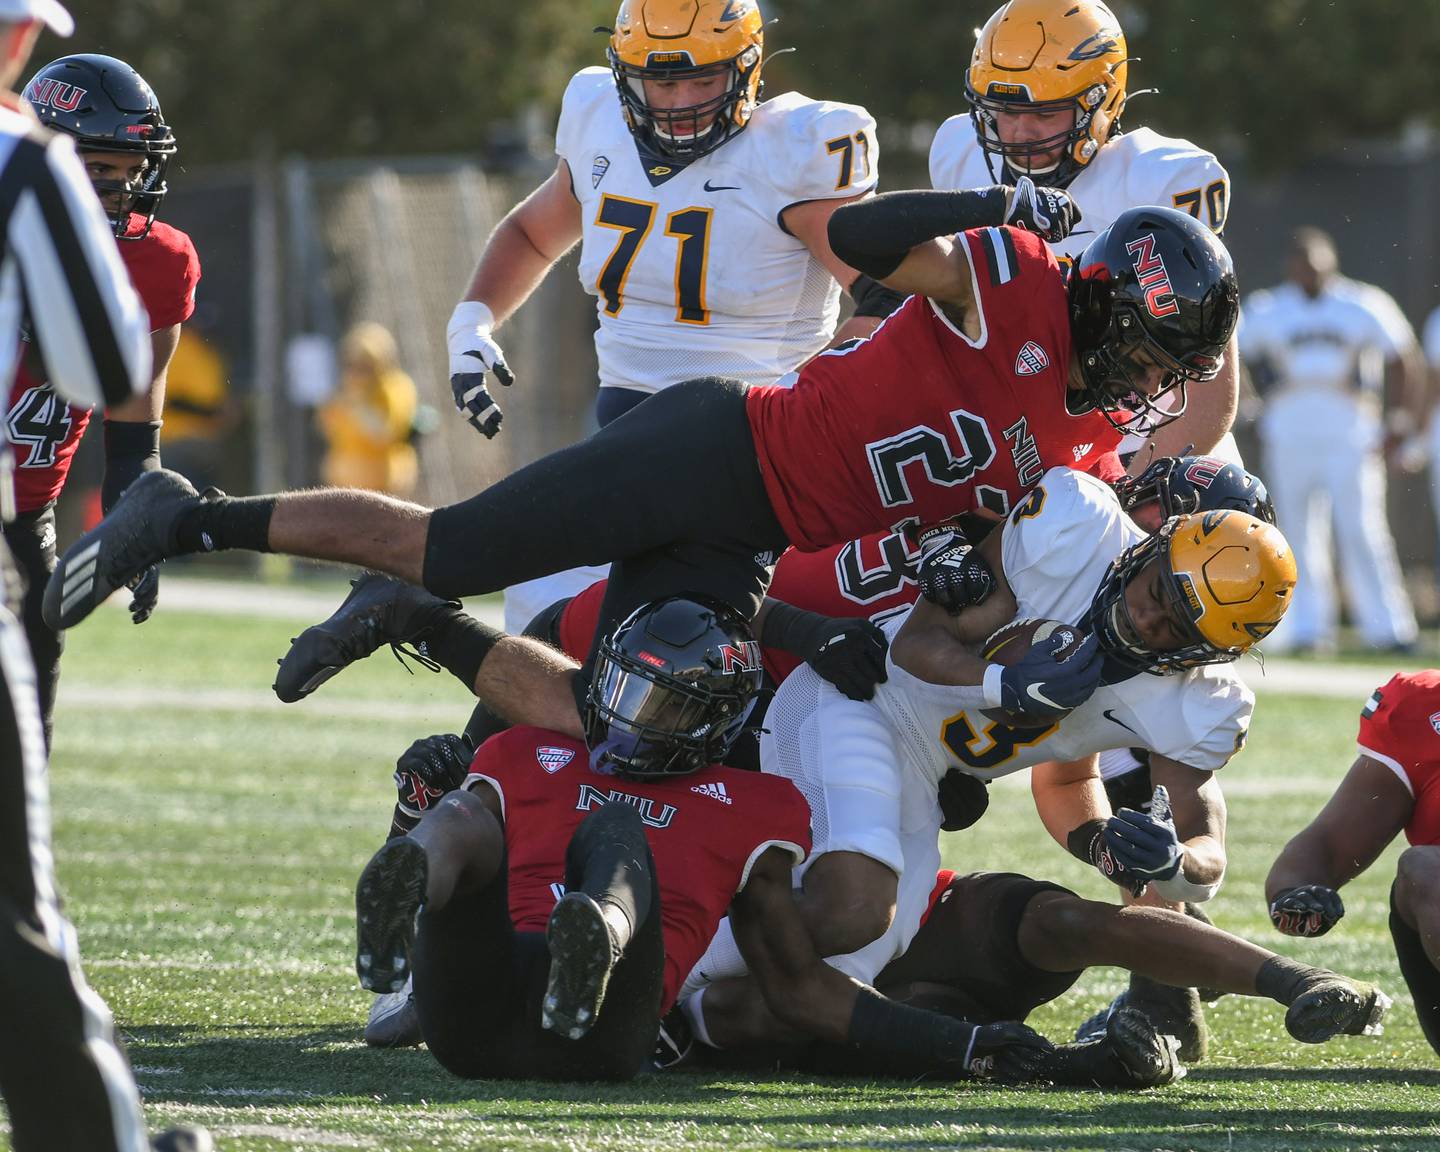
(692, 270)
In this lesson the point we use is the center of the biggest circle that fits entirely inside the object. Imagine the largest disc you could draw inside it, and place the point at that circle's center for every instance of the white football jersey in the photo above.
(694, 275)
(1056, 549)
(1132, 169)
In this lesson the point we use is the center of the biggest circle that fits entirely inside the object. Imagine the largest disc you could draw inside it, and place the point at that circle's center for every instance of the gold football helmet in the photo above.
(1047, 56)
(1227, 579)
(687, 39)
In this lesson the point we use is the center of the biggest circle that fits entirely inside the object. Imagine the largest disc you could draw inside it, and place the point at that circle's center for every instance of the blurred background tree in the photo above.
(1279, 80)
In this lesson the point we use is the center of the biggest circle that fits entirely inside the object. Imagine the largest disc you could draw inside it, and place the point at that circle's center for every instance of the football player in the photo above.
(700, 211)
(550, 907)
(751, 469)
(1067, 553)
(1393, 786)
(126, 145)
(1047, 88)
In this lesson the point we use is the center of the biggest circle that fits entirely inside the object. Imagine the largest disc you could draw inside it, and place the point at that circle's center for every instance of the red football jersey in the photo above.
(705, 831)
(43, 428)
(1400, 727)
(918, 422)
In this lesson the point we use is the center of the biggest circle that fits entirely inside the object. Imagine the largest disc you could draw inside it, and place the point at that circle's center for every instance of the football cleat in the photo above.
(1173, 1012)
(388, 900)
(1148, 1058)
(582, 954)
(394, 1021)
(379, 610)
(183, 1140)
(138, 532)
(1336, 1006)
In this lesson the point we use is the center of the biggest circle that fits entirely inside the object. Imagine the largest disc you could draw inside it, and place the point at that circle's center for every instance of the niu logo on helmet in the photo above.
(55, 93)
(745, 656)
(1159, 295)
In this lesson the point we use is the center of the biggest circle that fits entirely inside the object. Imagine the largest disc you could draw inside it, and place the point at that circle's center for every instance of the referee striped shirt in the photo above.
(60, 270)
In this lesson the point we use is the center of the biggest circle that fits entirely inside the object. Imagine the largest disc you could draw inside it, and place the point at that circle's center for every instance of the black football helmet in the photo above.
(671, 689)
(1185, 484)
(1156, 287)
(107, 107)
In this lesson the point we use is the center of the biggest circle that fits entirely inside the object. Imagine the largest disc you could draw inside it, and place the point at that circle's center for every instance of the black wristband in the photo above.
(874, 235)
(459, 643)
(1082, 840)
(789, 628)
(909, 1041)
(131, 447)
(874, 299)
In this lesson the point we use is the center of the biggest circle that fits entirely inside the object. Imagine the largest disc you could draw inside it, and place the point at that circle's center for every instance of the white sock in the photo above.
(695, 1013)
(721, 960)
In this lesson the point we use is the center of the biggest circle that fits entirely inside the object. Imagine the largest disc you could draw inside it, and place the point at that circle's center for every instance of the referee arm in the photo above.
(89, 325)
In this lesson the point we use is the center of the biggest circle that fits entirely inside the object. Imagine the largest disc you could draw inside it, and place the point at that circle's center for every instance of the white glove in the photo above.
(472, 354)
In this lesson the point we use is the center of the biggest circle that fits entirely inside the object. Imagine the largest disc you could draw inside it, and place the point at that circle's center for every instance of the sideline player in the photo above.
(1393, 786)
(996, 945)
(700, 212)
(1047, 88)
(66, 1083)
(1169, 610)
(110, 112)
(653, 843)
(752, 469)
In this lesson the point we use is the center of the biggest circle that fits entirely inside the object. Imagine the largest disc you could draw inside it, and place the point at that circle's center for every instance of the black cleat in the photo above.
(138, 532)
(1337, 1006)
(388, 898)
(1148, 1058)
(582, 954)
(379, 610)
(183, 1140)
(1173, 1011)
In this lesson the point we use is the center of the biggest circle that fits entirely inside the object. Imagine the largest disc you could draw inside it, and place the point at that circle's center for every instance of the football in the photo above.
(1008, 643)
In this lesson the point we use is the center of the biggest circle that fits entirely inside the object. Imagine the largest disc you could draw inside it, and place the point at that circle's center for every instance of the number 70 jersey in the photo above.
(692, 270)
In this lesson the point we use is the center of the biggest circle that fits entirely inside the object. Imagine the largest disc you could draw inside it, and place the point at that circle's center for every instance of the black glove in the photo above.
(132, 448)
(1087, 843)
(1009, 1052)
(963, 800)
(848, 652)
(1146, 843)
(1045, 687)
(428, 769)
(1048, 212)
(950, 573)
(1308, 910)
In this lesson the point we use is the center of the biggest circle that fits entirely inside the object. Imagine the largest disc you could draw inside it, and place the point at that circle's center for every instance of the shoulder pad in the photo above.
(817, 149)
(953, 143)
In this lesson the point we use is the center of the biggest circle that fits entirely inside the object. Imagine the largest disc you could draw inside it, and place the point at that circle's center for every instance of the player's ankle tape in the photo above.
(1283, 979)
(459, 643)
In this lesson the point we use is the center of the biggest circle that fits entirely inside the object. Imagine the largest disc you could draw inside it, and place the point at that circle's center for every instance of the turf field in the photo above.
(208, 842)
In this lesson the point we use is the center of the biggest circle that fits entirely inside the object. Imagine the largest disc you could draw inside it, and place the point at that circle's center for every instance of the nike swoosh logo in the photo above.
(1035, 693)
(1110, 715)
(720, 187)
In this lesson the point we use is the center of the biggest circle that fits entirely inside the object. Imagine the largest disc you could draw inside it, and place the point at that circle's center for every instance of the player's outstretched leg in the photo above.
(387, 900)
(138, 532)
(1336, 1006)
(379, 610)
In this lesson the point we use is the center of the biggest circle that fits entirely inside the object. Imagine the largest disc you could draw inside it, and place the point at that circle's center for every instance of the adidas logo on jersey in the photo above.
(715, 790)
(553, 759)
(1081, 451)
(1031, 360)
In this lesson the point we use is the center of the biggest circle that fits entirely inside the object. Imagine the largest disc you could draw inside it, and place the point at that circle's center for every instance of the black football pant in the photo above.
(1421, 976)
(31, 537)
(479, 983)
(64, 1078)
(671, 492)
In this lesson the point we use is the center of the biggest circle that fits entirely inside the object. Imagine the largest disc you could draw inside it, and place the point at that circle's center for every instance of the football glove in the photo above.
(1048, 212)
(1146, 844)
(1307, 910)
(848, 652)
(950, 573)
(472, 354)
(1008, 1052)
(1087, 842)
(1043, 687)
(144, 594)
(428, 769)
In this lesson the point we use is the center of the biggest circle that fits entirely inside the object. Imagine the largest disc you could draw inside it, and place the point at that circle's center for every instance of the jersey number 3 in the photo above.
(633, 219)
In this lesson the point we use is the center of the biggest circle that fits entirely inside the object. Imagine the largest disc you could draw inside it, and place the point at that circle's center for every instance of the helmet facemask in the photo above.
(140, 195)
(1076, 144)
(670, 131)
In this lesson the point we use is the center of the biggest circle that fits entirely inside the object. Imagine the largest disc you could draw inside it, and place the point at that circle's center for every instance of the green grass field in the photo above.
(208, 841)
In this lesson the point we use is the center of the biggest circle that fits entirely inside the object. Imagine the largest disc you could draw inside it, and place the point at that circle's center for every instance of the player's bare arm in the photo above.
(532, 237)
(150, 404)
(809, 222)
(1068, 794)
(1198, 809)
(1367, 811)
